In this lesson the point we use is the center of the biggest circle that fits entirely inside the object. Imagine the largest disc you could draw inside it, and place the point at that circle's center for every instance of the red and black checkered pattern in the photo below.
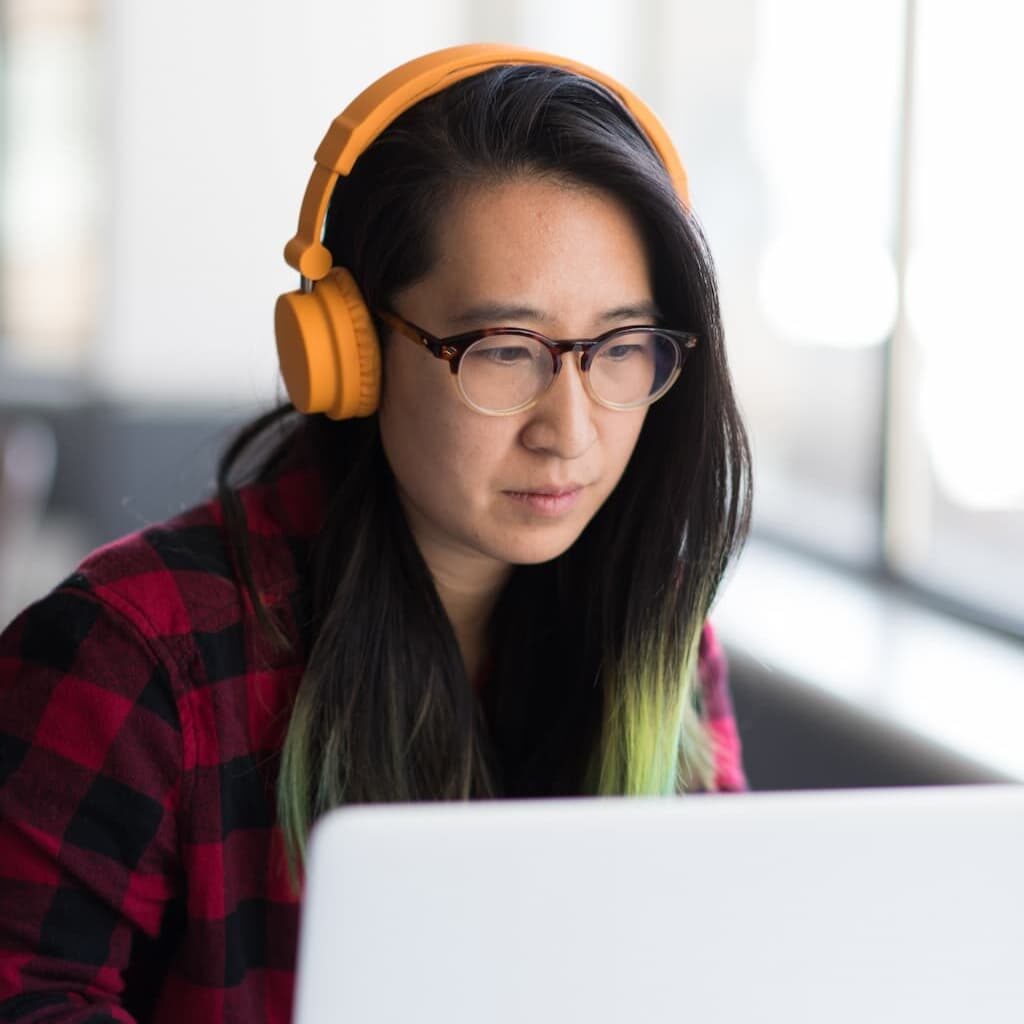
(142, 875)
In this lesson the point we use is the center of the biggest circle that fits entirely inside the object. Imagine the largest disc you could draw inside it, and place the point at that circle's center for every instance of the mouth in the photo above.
(548, 502)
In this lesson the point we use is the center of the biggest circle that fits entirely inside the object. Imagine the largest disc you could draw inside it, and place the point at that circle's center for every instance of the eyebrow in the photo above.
(501, 312)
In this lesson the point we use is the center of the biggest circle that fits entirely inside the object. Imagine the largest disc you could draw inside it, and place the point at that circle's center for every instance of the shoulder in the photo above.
(184, 577)
(713, 674)
(175, 588)
(131, 644)
(163, 577)
(717, 712)
(116, 631)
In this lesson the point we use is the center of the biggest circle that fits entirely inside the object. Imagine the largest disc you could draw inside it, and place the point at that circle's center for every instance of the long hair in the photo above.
(594, 654)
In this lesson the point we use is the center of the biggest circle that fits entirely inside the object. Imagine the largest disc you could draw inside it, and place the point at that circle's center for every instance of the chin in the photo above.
(535, 550)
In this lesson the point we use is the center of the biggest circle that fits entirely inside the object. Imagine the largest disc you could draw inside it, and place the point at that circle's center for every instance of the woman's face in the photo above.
(572, 263)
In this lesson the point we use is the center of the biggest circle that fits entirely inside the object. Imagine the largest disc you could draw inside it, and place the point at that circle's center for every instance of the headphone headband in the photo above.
(356, 127)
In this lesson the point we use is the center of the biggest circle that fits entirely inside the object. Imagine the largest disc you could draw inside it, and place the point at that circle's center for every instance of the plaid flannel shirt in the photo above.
(142, 874)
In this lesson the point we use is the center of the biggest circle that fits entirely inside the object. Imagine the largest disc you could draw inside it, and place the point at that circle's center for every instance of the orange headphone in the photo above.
(326, 342)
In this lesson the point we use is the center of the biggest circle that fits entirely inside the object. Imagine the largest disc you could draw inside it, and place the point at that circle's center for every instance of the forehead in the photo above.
(542, 243)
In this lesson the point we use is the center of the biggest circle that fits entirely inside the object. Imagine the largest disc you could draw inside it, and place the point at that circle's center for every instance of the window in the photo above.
(50, 184)
(956, 479)
(857, 169)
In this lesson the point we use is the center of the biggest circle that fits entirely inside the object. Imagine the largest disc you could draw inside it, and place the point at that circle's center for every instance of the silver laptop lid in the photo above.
(881, 905)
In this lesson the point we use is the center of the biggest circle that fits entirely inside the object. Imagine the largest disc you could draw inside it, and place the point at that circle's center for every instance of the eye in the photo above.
(503, 352)
(623, 351)
(509, 354)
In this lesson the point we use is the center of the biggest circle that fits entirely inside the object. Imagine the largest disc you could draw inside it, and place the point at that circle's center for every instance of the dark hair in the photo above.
(385, 710)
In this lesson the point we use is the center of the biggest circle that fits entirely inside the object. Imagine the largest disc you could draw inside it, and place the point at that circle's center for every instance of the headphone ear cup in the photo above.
(328, 349)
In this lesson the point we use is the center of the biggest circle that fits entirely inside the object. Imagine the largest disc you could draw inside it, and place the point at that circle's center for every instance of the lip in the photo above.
(548, 502)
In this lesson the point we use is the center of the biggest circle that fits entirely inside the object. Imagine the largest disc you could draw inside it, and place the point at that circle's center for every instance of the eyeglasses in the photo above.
(503, 370)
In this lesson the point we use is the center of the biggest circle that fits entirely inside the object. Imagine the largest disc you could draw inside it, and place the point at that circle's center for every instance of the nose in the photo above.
(562, 421)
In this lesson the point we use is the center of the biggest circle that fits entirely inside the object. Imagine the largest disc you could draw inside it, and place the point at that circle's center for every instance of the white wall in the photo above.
(216, 110)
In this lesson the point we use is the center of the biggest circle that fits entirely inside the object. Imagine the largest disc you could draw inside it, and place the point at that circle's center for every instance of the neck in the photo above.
(469, 585)
(469, 594)
(468, 582)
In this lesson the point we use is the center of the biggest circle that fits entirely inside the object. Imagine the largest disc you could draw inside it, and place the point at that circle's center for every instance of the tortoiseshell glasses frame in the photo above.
(453, 348)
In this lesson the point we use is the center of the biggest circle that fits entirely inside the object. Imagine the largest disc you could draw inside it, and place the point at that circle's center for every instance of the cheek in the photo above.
(411, 393)
(413, 440)
(622, 434)
(438, 449)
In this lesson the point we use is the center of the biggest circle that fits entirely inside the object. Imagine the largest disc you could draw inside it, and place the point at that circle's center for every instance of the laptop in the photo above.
(840, 906)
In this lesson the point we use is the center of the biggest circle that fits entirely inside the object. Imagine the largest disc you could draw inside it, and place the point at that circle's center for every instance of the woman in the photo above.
(493, 580)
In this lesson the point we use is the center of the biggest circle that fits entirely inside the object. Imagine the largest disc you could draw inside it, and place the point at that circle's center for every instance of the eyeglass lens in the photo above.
(504, 372)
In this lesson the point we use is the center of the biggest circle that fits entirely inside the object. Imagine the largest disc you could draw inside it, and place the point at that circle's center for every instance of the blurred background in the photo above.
(857, 171)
